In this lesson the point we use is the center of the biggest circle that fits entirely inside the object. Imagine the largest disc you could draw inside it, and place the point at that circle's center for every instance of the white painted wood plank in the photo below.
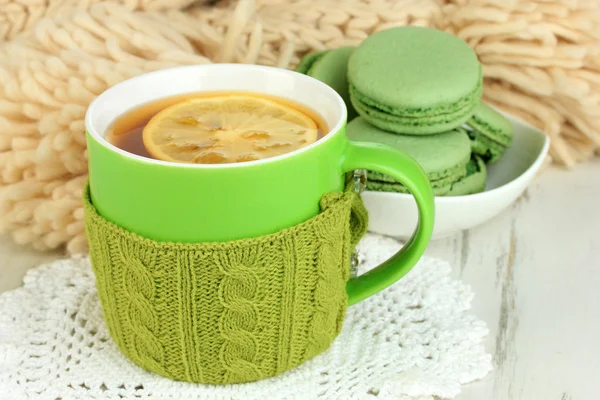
(536, 274)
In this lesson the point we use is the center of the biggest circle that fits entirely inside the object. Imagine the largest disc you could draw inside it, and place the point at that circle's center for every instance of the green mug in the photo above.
(191, 203)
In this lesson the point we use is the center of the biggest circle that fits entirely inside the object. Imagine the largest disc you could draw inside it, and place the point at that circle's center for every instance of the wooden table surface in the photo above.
(535, 270)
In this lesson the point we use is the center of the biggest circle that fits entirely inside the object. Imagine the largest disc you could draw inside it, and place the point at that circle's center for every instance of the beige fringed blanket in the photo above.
(541, 60)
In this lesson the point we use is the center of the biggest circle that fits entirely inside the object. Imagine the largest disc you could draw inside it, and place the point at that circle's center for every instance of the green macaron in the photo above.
(443, 157)
(330, 67)
(490, 133)
(414, 80)
(308, 60)
(474, 180)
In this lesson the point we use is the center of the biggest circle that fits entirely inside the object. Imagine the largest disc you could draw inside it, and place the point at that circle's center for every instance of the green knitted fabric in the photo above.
(232, 312)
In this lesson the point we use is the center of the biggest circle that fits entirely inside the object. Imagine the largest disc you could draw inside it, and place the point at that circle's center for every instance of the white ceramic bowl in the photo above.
(395, 214)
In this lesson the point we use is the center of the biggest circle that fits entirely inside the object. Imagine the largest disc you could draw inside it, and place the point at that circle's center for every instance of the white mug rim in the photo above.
(150, 76)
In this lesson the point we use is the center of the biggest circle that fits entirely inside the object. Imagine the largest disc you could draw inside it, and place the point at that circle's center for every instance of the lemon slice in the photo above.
(227, 128)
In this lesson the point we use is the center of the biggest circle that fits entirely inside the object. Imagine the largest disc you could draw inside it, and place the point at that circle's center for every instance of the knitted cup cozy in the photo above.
(227, 312)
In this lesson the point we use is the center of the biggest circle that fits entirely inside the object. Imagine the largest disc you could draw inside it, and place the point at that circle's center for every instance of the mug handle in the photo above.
(400, 166)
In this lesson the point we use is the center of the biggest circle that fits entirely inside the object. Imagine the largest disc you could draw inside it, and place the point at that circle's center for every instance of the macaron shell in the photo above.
(473, 182)
(415, 68)
(439, 155)
(491, 124)
(331, 69)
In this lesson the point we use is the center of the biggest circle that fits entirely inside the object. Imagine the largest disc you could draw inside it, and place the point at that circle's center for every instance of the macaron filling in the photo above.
(416, 120)
(474, 181)
(441, 182)
(440, 178)
(399, 188)
(489, 150)
(468, 102)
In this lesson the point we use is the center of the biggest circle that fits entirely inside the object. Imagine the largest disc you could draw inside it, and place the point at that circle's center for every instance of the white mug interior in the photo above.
(282, 83)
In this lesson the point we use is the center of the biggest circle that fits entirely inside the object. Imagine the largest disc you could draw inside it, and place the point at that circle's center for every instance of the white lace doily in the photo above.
(414, 340)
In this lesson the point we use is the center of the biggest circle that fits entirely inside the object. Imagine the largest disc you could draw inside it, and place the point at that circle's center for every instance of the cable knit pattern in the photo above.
(230, 312)
(329, 289)
(239, 320)
(140, 316)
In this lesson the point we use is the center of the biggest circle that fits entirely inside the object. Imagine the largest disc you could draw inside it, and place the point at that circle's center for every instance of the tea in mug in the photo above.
(216, 128)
